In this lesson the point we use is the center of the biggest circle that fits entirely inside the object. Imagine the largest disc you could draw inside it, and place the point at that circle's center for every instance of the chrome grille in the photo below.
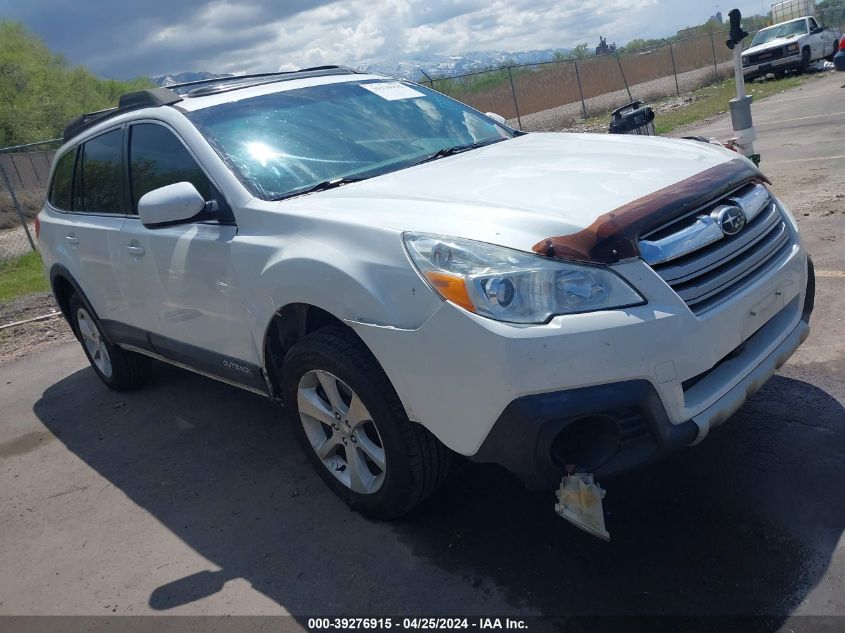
(766, 56)
(703, 265)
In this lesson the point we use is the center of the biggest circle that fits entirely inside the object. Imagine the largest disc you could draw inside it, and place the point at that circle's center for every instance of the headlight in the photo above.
(513, 286)
(746, 61)
(792, 49)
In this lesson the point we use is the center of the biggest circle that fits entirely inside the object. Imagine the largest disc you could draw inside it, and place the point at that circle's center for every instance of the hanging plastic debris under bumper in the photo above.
(579, 501)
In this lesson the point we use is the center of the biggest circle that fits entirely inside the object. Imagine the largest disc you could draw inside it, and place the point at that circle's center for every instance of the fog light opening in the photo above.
(587, 443)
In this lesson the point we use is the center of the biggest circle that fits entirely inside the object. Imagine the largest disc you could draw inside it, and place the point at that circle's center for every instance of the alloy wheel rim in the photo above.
(93, 342)
(341, 431)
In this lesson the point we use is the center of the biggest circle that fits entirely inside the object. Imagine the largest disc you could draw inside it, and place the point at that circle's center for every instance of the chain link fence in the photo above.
(554, 95)
(24, 171)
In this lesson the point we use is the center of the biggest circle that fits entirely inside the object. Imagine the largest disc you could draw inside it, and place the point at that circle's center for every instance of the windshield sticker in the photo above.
(392, 90)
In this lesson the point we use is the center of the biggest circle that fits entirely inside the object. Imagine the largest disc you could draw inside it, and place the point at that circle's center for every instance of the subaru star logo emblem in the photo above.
(730, 219)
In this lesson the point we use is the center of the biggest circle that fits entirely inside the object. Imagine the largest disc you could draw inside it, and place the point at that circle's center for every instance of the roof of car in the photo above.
(196, 95)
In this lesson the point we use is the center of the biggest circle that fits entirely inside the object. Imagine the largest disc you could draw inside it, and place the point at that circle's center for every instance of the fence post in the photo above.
(674, 69)
(622, 72)
(17, 204)
(515, 104)
(580, 90)
(715, 64)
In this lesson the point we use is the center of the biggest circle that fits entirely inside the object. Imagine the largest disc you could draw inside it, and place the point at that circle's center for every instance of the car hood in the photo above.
(517, 192)
(775, 43)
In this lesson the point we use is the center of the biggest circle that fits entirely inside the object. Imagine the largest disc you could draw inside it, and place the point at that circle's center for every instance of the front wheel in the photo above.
(805, 61)
(119, 369)
(354, 429)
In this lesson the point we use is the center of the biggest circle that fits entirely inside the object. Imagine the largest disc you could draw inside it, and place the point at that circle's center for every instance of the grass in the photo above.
(21, 276)
(712, 100)
(708, 101)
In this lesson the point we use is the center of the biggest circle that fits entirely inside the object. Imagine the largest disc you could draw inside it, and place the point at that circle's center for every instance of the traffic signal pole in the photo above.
(743, 126)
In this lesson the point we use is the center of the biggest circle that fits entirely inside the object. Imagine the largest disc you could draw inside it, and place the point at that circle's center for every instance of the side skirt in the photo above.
(232, 371)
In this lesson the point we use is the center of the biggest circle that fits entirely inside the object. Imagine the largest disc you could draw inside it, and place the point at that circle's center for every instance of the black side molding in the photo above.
(202, 360)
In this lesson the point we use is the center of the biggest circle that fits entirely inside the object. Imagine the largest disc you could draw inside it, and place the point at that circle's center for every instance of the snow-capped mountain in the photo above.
(446, 65)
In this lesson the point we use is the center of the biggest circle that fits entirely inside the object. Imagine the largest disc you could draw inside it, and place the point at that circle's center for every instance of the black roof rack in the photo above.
(205, 87)
(130, 101)
(169, 95)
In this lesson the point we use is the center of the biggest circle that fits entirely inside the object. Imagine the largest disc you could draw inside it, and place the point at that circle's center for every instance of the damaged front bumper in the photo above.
(609, 429)
(604, 430)
(753, 71)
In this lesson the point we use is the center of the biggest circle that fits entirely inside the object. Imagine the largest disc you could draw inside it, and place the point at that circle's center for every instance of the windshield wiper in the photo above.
(322, 186)
(345, 180)
(456, 149)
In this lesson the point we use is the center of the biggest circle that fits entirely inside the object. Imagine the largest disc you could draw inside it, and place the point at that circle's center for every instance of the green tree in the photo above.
(580, 51)
(754, 23)
(639, 43)
(832, 12)
(40, 92)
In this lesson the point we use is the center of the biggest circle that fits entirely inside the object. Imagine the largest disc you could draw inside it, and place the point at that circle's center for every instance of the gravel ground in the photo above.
(668, 104)
(20, 340)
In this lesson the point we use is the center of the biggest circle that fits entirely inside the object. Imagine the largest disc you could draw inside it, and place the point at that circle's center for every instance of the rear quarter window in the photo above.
(61, 188)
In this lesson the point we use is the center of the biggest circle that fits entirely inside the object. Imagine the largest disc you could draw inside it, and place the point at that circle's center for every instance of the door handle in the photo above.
(72, 239)
(135, 250)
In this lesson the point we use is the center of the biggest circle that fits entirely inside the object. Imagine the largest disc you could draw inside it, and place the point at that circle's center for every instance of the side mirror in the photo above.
(179, 202)
(818, 29)
(498, 118)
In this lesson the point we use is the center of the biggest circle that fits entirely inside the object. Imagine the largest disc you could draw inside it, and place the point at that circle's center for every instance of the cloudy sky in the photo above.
(153, 37)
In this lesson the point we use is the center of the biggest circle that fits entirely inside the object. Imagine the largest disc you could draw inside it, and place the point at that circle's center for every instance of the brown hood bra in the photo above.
(614, 235)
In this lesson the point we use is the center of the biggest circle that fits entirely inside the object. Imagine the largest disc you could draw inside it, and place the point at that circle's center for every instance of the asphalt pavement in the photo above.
(191, 497)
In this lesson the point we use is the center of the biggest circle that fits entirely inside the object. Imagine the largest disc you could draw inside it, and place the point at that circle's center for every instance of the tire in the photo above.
(117, 368)
(333, 367)
(805, 61)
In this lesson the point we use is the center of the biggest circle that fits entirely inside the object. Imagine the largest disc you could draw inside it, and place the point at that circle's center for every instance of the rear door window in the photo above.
(99, 175)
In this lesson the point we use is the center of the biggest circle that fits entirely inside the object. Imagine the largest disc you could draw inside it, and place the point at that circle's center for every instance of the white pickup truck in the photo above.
(791, 45)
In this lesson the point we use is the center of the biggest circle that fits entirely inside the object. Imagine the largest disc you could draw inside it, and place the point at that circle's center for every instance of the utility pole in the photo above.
(743, 126)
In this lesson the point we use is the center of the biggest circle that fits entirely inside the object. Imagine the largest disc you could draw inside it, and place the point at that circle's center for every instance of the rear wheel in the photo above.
(117, 368)
(354, 429)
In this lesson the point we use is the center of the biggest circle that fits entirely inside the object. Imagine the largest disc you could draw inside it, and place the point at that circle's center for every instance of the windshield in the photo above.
(287, 142)
(781, 30)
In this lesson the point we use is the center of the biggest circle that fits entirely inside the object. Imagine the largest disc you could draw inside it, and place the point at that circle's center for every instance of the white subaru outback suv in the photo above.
(411, 278)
